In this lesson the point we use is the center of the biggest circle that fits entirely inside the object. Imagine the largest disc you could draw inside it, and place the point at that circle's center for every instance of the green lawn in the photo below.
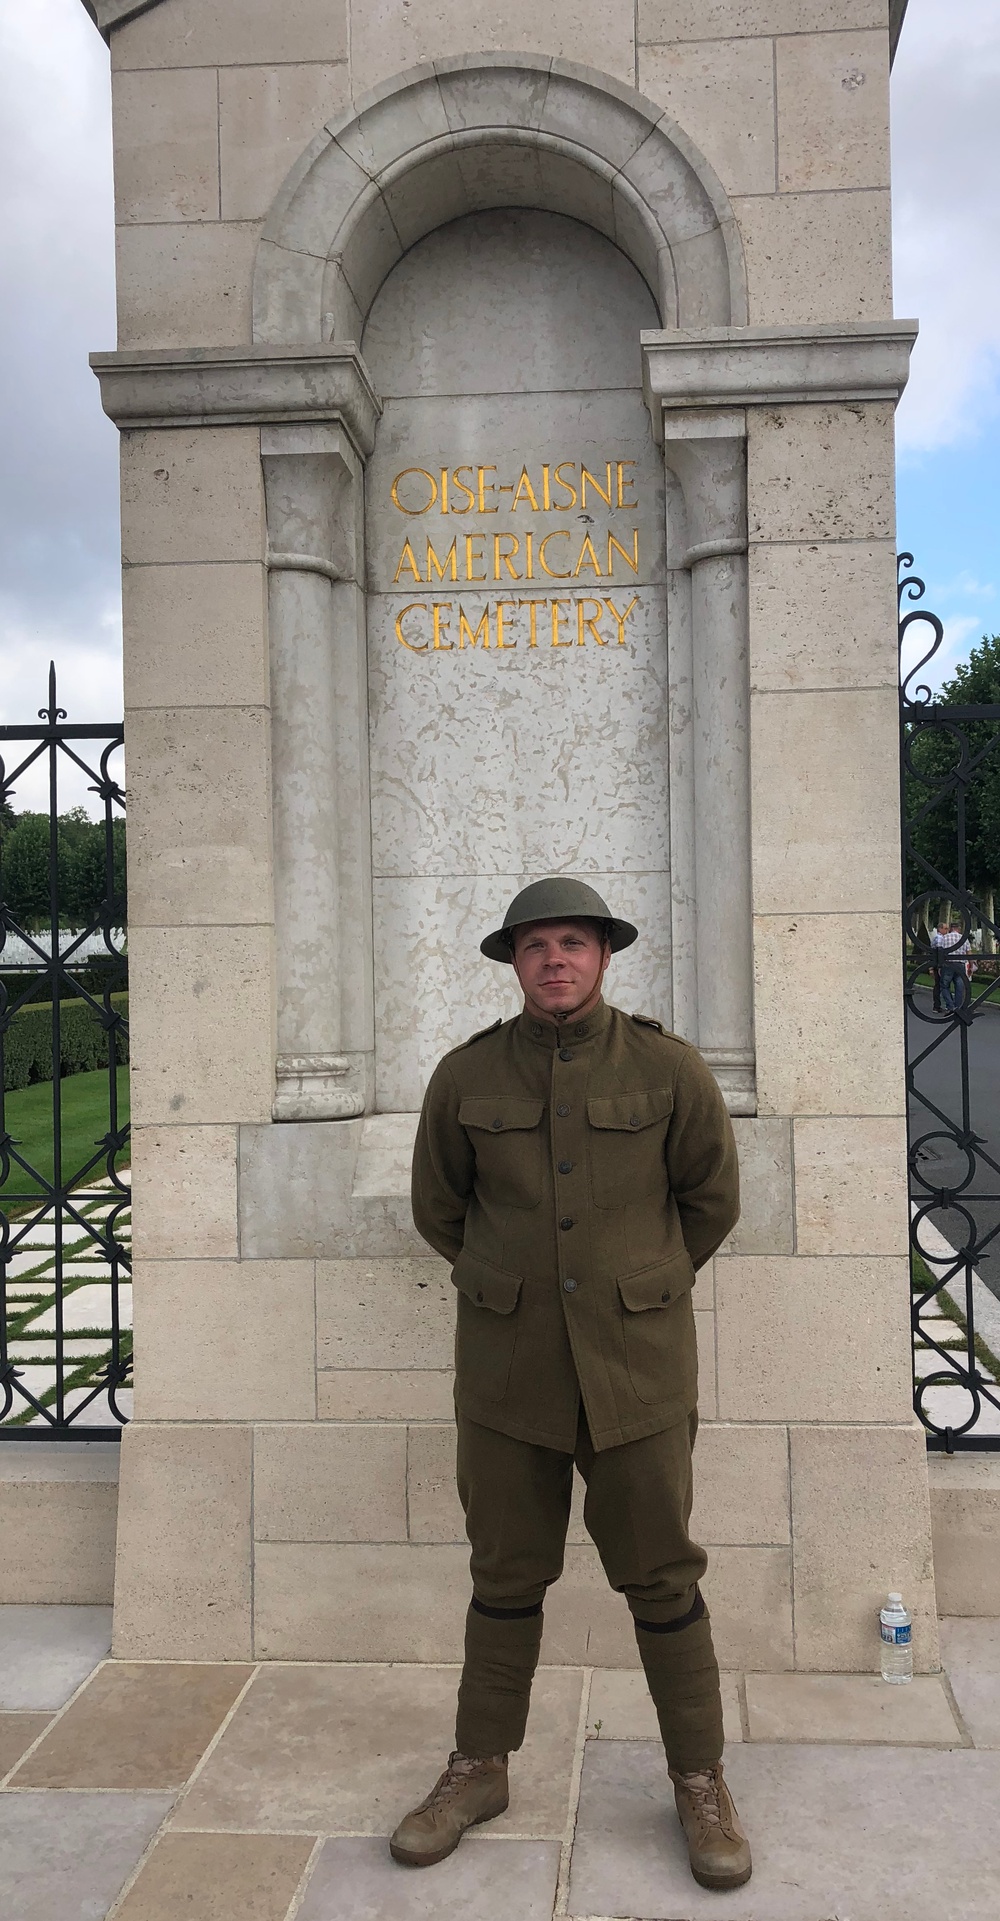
(84, 1121)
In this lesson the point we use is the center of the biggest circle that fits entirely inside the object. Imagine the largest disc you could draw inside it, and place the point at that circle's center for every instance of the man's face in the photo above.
(560, 965)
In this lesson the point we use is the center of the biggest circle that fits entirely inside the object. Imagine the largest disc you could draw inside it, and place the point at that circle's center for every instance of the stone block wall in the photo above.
(286, 1487)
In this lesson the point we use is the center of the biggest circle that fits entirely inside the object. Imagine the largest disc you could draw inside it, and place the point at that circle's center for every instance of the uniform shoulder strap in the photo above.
(646, 1020)
(479, 1035)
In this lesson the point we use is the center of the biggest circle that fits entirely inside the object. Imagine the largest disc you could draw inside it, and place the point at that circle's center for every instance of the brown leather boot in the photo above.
(718, 1849)
(468, 1792)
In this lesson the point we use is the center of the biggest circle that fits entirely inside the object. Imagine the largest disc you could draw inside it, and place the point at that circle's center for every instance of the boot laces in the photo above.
(704, 1789)
(461, 1769)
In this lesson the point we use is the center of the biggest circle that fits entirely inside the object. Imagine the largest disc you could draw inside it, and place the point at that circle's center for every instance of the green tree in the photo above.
(934, 783)
(24, 872)
(82, 864)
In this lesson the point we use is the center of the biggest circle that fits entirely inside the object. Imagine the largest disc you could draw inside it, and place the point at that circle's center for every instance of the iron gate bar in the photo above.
(921, 717)
(64, 1201)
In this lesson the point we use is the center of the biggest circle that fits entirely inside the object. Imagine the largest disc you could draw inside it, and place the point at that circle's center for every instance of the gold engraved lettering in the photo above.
(546, 501)
(473, 635)
(588, 556)
(486, 487)
(532, 606)
(590, 621)
(622, 483)
(449, 565)
(621, 618)
(506, 558)
(501, 605)
(585, 475)
(557, 622)
(632, 559)
(470, 541)
(529, 555)
(524, 486)
(561, 533)
(442, 607)
(470, 497)
(560, 482)
(431, 482)
(444, 490)
(400, 617)
(408, 559)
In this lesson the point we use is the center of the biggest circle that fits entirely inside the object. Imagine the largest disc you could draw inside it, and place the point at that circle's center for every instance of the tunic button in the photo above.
(665, 1296)
(633, 1120)
(569, 1287)
(495, 1124)
(581, 1030)
(564, 1054)
(566, 1221)
(479, 1296)
(562, 1110)
(565, 1167)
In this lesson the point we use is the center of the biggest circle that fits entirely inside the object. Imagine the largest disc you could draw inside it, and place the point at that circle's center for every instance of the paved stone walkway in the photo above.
(88, 1307)
(156, 1792)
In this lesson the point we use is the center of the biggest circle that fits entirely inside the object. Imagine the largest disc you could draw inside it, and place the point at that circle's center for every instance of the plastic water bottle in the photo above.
(897, 1651)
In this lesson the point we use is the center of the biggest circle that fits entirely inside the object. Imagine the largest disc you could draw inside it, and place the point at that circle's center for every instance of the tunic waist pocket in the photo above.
(654, 1326)
(487, 1326)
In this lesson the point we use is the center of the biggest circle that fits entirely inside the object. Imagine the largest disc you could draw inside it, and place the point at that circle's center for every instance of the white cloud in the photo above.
(59, 480)
(946, 166)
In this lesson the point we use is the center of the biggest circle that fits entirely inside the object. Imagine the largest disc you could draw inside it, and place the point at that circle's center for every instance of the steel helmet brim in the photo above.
(558, 898)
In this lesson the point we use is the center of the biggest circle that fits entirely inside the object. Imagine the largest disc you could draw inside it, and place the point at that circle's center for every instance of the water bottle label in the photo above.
(896, 1636)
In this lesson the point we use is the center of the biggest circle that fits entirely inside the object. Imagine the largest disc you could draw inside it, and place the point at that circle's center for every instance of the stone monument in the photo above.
(506, 489)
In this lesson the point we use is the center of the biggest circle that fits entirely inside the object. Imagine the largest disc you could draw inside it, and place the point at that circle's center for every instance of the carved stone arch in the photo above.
(483, 131)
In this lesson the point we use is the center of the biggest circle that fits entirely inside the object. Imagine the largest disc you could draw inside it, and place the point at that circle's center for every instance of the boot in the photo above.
(718, 1849)
(468, 1792)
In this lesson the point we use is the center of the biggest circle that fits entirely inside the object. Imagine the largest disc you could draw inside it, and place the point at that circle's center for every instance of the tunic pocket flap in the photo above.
(628, 1113)
(488, 1286)
(657, 1286)
(499, 1113)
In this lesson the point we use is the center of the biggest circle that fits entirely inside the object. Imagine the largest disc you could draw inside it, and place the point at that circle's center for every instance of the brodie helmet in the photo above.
(559, 898)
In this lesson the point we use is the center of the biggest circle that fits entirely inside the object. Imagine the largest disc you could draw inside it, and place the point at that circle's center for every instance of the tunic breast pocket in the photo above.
(628, 1145)
(506, 1135)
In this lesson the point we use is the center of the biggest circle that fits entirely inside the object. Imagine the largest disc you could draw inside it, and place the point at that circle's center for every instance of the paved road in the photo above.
(939, 1079)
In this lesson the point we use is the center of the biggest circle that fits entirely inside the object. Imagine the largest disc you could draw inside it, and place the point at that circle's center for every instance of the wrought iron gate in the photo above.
(950, 787)
(65, 1266)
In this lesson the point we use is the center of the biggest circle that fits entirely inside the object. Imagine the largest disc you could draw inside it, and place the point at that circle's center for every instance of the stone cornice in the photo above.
(240, 386)
(775, 366)
(107, 14)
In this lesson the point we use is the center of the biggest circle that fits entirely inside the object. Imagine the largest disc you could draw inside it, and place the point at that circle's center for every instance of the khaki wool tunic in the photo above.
(576, 1177)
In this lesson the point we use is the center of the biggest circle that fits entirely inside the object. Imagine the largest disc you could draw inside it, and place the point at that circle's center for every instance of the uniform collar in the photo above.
(567, 1033)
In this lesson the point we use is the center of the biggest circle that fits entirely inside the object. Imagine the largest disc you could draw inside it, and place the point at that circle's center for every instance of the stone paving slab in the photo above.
(218, 1877)
(65, 1857)
(853, 1708)
(17, 1732)
(46, 1652)
(970, 1651)
(621, 1709)
(347, 1750)
(502, 1881)
(861, 1834)
(136, 1725)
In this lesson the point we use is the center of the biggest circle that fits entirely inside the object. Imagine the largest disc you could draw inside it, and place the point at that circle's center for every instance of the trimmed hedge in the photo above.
(27, 1044)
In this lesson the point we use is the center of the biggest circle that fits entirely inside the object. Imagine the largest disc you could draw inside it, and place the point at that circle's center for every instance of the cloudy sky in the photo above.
(58, 524)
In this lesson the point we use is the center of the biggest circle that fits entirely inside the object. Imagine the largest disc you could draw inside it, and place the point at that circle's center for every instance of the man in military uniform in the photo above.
(577, 1166)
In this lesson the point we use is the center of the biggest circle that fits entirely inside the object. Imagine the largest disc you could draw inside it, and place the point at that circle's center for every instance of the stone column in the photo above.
(706, 558)
(316, 411)
(313, 482)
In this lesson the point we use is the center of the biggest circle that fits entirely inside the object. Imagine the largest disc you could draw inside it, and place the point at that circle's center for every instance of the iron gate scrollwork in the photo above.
(950, 791)
(65, 1197)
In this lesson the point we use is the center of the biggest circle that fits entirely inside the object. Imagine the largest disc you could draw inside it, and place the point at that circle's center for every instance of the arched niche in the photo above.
(464, 139)
(480, 132)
